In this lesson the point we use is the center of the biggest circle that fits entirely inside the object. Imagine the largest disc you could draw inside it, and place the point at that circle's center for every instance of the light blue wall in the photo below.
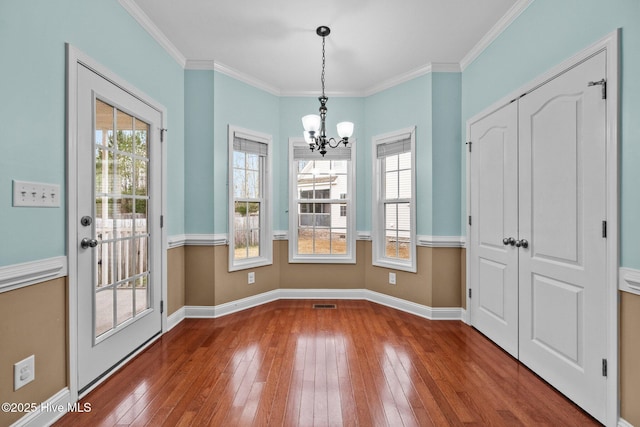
(199, 137)
(237, 104)
(32, 111)
(405, 105)
(544, 35)
(447, 149)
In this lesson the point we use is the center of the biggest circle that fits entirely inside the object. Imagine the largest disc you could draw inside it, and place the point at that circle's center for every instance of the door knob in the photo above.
(508, 241)
(88, 243)
(522, 243)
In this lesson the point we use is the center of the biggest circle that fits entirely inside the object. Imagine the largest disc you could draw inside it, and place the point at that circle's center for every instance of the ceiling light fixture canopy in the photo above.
(314, 125)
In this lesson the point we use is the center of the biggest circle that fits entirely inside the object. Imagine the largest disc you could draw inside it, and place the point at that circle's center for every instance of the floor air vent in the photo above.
(324, 306)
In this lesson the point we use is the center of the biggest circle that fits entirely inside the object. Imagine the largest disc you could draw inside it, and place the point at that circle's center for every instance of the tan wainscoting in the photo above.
(439, 281)
(175, 279)
(630, 357)
(33, 320)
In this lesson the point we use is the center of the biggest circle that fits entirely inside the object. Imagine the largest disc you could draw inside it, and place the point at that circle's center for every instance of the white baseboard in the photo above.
(624, 423)
(174, 318)
(431, 313)
(48, 411)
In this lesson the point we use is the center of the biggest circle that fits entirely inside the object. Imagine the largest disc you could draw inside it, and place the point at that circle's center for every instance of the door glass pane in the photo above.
(120, 212)
(142, 294)
(104, 311)
(124, 298)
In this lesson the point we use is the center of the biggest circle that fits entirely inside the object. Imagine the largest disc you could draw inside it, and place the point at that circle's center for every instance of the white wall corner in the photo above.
(629, 280)
(29, 273)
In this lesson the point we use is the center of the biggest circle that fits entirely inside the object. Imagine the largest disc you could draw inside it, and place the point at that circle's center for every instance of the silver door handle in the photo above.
(522, 243)
(508, 241)
(88, 243)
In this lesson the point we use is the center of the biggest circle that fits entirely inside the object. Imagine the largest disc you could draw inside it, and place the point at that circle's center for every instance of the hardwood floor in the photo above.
(361, 364)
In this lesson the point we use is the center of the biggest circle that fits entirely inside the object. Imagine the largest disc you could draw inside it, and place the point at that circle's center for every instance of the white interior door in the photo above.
(494, 203)
(118, 230)
(562, 193)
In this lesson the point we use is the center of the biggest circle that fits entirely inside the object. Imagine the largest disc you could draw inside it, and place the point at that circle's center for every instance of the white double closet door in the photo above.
(537, 247)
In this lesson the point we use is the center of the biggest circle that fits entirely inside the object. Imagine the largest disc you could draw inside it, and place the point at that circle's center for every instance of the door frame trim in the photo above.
(611, 44)
(74, 57)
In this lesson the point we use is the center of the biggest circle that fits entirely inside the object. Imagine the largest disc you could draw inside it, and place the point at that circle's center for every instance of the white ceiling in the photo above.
(373, 43)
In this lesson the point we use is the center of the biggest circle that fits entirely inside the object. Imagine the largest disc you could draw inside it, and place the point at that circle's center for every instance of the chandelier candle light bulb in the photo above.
(314, 125)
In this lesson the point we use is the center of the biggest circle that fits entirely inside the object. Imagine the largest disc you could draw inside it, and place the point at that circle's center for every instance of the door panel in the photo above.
(562, 203)
(494, 203)
(119, 202)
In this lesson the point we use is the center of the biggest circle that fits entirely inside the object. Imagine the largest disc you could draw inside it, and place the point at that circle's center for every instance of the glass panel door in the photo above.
(121, 199)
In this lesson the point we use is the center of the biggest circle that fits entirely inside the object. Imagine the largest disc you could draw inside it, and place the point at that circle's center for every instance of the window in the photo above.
(394, 205)
(321, 212)
(250, 239)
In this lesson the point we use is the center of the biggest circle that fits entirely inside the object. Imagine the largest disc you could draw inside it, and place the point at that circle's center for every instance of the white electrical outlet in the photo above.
(392, 278)
(251, 279)
(36, 194)
(24, 372)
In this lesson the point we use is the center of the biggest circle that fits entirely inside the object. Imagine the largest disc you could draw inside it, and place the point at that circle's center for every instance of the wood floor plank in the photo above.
(361, 364)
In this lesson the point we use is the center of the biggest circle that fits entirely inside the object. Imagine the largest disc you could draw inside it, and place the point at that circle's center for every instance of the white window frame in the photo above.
(378, 220)
(350, 256)
(266, 182)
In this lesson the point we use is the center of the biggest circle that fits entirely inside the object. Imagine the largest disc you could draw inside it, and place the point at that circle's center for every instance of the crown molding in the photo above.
(200, 64)
(204, 64)
(245, 78)
(502, 24)
(146, 23)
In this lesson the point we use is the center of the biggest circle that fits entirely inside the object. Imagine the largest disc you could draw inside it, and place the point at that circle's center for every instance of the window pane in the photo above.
(104, 124)
(253, 162)
(124, 179)
(142, 294)
(322, 241)
(404, 217)
(391, 245)
(140, 175)
(305, 241)
(253, 184)
(391, 185)
(238, 159)
(405, 184)
(404, 161)
(391, 216)
(104, 171)
(391, 163)
(124, 300)
(339, 241)
(124, 132)
(253, 225)
(239, 184)
(141, 137)
(104, 311)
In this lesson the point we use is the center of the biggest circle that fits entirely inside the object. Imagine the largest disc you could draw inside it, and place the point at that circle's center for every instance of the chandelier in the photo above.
(314, 125)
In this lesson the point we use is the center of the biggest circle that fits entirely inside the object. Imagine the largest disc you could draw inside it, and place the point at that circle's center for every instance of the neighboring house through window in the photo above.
(394, 219)
(250, 239)
(322, 204)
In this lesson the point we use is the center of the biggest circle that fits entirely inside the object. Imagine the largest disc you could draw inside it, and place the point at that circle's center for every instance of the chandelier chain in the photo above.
(323, 61)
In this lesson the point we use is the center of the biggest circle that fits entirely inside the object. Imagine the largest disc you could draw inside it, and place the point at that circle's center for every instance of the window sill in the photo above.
(320, 259)
(395, 265)
(250, 263)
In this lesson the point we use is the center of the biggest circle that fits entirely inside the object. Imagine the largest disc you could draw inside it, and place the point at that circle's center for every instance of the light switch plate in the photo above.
(36, 194)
